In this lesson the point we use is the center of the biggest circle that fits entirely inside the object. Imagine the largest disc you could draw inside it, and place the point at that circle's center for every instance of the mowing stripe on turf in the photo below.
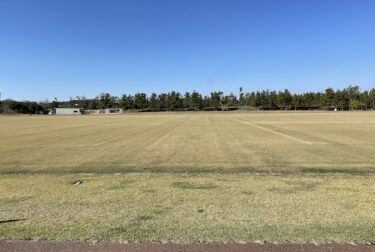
(276, 132)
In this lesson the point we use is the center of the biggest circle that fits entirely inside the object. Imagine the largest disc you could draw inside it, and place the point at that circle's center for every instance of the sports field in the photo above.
(283, 177)
(190, 142)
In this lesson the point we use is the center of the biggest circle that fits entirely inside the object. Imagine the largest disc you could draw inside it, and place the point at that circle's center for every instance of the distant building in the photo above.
(68, 111)
(109, 111)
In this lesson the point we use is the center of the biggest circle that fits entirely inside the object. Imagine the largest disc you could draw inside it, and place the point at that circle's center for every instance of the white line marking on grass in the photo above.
(320, 143)
(108, 140)
(275, 132)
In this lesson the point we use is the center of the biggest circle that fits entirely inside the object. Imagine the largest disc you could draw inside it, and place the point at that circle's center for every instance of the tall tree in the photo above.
(140, 101)
(242, 100)
(154, 102)
(187, 103)
(196, 100)
(353, 93)
(372, 98)
(127, 102)
(329, 97)
(105, 100)
(215, 100)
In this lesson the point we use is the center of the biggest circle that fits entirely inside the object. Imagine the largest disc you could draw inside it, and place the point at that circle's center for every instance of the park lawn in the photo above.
(188, 208)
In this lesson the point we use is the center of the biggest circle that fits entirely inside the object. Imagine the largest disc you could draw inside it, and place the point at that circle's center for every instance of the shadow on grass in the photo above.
(337, 170)
(123, 184)
(14, 199)
(186, 185)
(269, 169)
(10, 221)
(149, 191)
(248, 192)
(295, 186)
(137, 227)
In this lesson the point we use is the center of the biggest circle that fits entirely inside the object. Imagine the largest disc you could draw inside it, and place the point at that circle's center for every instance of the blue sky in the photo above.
(63, 48)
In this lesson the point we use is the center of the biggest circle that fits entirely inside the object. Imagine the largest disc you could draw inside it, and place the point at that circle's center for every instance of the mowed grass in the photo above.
(282, 142)
(189, 177)
(178, 208)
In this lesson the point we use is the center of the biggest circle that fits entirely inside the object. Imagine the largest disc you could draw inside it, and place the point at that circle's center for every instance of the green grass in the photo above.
(231, 142)
(178, 208)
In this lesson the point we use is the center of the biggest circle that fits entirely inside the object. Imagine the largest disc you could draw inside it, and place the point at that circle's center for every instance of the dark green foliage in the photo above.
(26, 107)
(349, 98)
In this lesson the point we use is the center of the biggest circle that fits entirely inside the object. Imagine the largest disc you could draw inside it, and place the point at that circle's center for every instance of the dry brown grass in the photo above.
(185, 208)
(179, 208)
(190, 142)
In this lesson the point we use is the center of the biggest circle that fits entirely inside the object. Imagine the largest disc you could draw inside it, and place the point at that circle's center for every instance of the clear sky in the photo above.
(63, 48)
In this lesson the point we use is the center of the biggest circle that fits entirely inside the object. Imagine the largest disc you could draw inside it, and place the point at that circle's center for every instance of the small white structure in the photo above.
(111, 111)
(68, 111)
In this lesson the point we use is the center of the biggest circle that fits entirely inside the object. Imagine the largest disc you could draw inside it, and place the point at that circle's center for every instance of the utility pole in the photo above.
(241, 97)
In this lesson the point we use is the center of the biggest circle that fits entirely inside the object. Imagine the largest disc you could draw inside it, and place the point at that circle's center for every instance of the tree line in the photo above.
(350, 98)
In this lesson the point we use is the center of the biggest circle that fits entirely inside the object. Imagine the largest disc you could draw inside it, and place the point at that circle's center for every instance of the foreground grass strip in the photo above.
(77, 246)
(218, 208)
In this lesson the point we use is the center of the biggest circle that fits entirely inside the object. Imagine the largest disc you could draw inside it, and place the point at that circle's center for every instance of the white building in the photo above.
(68, 111)
(110, 111)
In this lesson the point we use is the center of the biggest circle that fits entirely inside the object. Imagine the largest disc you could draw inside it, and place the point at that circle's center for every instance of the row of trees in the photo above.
(349, 98)
(26, 107)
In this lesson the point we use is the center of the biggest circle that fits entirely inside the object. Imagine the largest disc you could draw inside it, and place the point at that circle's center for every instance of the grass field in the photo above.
(178, 208)
(189, 177)
(190, 142)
